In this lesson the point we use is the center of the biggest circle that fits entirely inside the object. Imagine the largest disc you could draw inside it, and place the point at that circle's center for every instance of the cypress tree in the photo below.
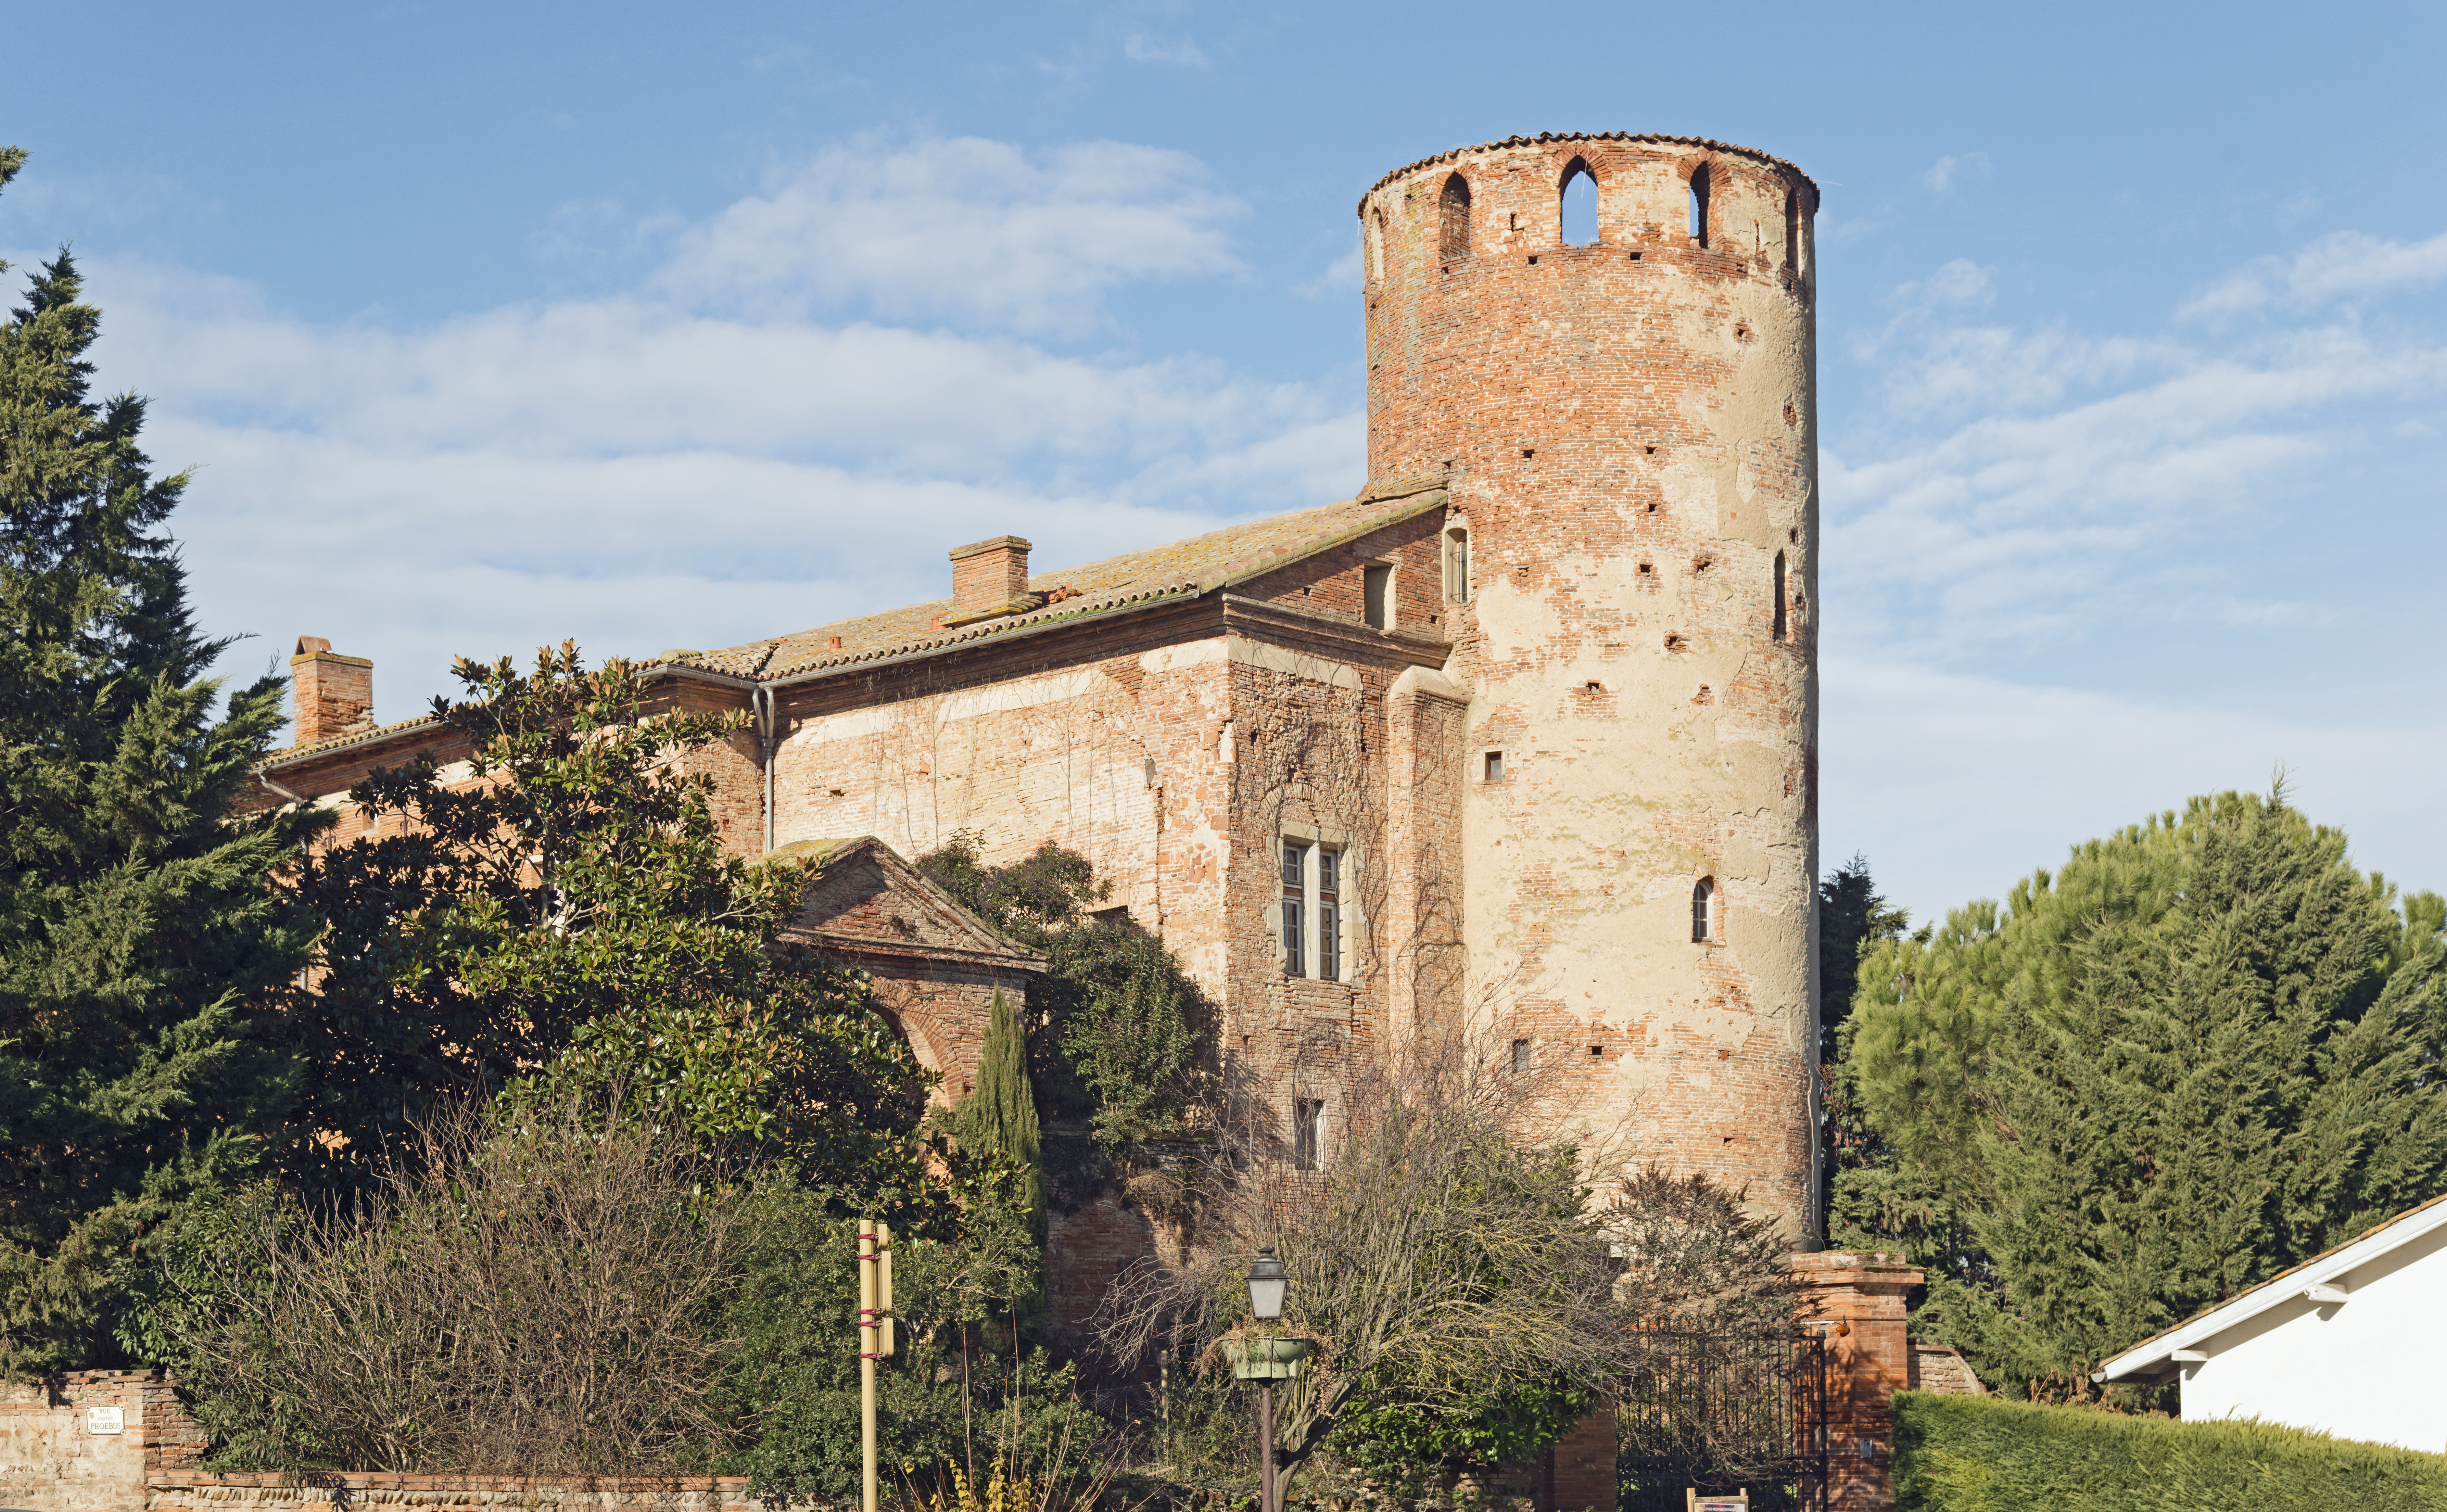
(999, 1116)
(141, 942)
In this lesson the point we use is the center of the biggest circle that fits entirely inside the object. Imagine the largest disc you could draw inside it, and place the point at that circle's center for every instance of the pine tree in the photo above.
(141, 937)
(2201, 1054)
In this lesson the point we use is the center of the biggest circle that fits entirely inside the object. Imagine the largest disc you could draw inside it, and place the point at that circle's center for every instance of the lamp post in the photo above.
(1267, 1282)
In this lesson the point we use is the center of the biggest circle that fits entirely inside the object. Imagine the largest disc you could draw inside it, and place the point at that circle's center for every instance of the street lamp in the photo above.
(1266, 1281)
(1265, 1360)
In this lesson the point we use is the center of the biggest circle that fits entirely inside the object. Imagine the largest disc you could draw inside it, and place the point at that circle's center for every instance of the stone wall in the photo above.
(198, 1491)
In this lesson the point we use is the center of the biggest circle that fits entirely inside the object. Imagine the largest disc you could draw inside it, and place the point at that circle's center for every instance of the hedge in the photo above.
(1978, 1454)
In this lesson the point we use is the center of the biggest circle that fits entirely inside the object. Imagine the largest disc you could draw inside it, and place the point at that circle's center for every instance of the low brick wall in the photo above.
(201, 1491)
(120, 1441)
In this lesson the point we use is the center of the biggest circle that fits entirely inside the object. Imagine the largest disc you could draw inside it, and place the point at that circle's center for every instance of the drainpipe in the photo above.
(761, 698)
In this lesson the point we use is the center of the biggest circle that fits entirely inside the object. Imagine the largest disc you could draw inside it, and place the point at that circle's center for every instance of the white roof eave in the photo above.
(2156, 1355)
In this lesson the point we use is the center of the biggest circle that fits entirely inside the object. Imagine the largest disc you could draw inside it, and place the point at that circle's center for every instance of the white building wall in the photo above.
(2362, 1369)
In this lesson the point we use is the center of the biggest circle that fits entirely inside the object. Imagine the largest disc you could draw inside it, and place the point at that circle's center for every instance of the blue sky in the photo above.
(486, 326)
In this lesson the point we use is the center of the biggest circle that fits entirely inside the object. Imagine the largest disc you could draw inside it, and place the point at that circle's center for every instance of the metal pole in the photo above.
(1266, 1450)
(866, 1347)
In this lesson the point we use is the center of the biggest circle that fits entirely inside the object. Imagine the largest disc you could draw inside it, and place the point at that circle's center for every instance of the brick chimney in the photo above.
(989, 577)
(335, 694)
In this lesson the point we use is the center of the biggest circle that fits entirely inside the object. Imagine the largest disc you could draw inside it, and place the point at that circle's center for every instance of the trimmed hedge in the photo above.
(1978, 1454)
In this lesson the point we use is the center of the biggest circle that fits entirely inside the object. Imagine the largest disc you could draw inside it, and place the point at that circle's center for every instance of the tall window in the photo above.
(1699, 204)
(1779, 595)
(1376, 597)
(1580, 208)
(1792, 229)
(1457, 565)
(1295, 910)
(1313, 879)
(1329, 916)
(1308, 1133)
(1520, 1057)
(1703, 912)
(1453, 214)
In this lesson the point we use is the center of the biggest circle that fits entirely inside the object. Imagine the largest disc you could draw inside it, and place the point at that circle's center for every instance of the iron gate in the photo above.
(1724, 1411)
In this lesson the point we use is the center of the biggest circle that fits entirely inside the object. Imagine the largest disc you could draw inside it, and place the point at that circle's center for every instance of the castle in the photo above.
(1525, 729)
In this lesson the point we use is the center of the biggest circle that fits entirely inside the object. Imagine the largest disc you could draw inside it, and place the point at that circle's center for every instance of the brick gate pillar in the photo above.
(1859, 1296)
(1578, 1475)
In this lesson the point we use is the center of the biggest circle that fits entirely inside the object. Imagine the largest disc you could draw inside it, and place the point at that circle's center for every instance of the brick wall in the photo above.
(1626, 431)
(197, 1491)
(53, 1460)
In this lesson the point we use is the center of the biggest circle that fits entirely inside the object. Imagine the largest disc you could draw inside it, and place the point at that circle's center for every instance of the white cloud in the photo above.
(646, 470)
(964, 230)
(2343, 266)
(1943, 174)
(1341, 276)
(1146, 49)
(2020, 488)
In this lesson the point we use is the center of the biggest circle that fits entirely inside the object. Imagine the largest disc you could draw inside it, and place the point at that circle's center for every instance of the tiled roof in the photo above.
(1184, 569)
(370, 734)
(1709, 142)
(1134, 580)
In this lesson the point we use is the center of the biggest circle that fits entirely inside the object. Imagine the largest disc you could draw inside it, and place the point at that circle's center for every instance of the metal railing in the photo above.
(1723, 1411)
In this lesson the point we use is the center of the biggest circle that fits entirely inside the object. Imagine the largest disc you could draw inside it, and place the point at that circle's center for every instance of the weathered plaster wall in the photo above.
(1628, 434)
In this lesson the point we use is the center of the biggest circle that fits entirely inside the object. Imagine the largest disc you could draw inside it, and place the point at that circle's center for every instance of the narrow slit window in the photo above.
(1308, 1133)
(1779, 597)
(1792, 230)
(1520, 1057)
(1580, 208)
(1376, 592)
(1329, 914)
(1376, 248)
(1699, 205)
(1457, 565)
(1295, 910)
(1703, 912)
(1453, 207)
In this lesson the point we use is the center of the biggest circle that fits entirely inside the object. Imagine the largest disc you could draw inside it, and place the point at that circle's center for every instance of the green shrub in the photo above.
(1978, 1454)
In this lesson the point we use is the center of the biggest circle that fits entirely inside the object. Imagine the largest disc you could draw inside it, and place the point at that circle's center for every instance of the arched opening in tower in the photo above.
(1452, 239)
(1579, 205)
(1699, 205)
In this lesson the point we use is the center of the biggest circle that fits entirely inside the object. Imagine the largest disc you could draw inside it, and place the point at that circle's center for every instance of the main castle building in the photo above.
(1524, 734)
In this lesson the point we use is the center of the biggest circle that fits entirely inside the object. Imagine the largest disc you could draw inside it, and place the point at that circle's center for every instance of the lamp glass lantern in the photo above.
(1266, 1281)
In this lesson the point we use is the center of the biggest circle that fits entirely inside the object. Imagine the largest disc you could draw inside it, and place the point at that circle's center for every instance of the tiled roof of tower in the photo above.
(1709, 142)
(1135, 579)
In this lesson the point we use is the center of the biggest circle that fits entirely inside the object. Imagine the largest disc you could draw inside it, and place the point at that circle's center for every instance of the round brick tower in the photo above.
(1628, 429)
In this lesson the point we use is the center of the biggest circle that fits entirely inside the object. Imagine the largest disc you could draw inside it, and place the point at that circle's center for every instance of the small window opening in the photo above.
(1295, 910)
(1597, 1050)
(1376, 248)
(1593, 687)
(1779, 595)
(1703, 912)
(1512, 222)
(1699, 205)
(1520, 1057)
(1376, 594)
(1308, 1127)
(1792, 230)
(1457, 565)
(1495, 767)
(1453, 237)
(1579, 205)
(1329, 916)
